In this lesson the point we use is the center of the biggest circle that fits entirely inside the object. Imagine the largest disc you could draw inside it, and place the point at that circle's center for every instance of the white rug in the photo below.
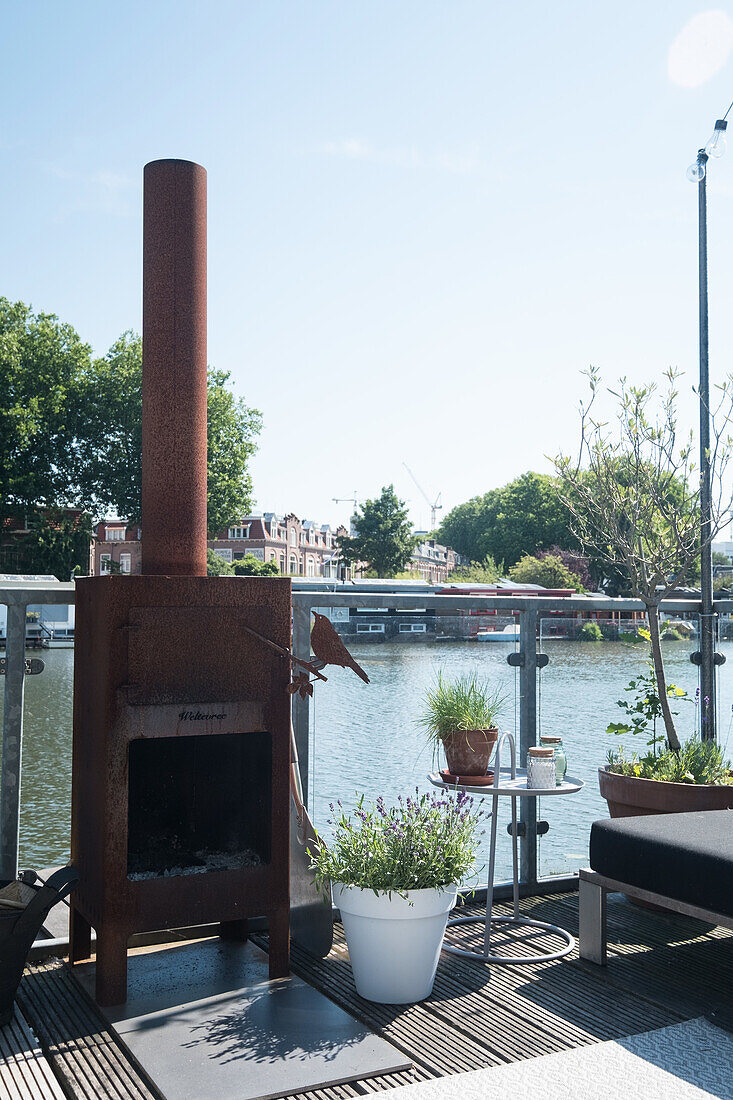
(689, 1061)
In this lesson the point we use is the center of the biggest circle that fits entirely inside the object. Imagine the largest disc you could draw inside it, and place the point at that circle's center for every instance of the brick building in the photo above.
(301, 548)
(115, 548)
(434, 562)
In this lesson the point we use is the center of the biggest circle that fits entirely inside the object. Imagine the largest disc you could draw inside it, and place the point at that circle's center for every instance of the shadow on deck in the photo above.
(663, 969)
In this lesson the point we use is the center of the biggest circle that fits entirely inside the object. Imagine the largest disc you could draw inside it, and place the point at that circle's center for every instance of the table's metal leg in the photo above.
(490, 881)
(516, 919)
(515, 859)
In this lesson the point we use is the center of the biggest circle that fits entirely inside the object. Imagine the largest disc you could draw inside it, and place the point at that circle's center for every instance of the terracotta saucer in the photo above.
(467, 780)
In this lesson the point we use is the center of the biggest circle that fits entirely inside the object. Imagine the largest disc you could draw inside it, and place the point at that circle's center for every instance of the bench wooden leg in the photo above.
(80, 936)
(279, 923)
(592, 938)
(111, 978)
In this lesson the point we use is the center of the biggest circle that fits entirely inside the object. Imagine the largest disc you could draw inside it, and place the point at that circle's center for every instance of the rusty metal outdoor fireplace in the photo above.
(181, 796)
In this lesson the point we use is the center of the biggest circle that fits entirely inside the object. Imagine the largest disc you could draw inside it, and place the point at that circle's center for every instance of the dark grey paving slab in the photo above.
(203, 1020)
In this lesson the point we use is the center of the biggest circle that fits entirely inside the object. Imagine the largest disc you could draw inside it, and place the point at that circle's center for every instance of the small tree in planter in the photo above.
(461, 715)
(634, 499)
(395, 873)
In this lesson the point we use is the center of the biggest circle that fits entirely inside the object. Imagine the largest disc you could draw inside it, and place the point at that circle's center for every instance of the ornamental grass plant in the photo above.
(466, 703)
(696, 762)
(426, 842)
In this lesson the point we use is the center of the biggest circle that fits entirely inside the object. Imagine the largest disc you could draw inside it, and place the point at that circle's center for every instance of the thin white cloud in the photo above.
(109, 181)
(457, 161)
(701, 49)
(98, 190)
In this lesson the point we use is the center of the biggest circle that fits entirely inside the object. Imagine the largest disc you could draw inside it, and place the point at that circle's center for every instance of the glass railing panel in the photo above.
(725, 684)
(368, 739)
(578, 693)
(45, 790)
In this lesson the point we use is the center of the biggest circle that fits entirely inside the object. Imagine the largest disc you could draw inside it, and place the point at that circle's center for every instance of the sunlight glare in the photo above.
(701, 49)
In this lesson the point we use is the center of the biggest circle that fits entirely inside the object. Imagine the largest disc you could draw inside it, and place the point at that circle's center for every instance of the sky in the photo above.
(425, 219)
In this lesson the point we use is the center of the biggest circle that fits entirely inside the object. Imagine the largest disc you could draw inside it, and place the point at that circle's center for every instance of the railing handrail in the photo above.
(64, 592)
(444, 602)
(14, 593)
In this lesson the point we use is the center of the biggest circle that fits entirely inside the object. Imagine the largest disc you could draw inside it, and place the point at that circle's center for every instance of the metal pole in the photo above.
(528, 738)
(301, 708)
(12, 741)
(707, 614)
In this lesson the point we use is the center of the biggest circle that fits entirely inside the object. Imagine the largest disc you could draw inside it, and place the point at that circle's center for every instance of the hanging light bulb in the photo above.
(717, 143)
(696, 172)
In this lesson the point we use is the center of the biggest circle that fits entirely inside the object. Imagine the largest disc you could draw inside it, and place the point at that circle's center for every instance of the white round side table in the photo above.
(508, 783)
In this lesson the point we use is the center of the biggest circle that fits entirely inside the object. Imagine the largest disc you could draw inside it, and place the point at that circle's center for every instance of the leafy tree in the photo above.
(112, 470)
(216, 566)
(56, 542)
(384, 539)
(575, 562)
(635, 497)
(250, 566)
(110, 401)
(41, 362)
(71, 426)
(522, 517)
(480, 572)
(719, 558)
(59, 542)
(549, 571)
(232, 433)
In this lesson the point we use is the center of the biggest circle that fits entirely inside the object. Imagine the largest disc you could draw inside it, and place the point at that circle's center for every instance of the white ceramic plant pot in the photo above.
(394, 943)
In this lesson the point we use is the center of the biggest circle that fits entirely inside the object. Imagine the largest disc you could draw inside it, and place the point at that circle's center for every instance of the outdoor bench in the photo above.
(682, 862)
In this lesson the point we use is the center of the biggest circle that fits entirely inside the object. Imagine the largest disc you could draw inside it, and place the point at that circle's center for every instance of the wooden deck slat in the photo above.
(520, 1011)
(662, 969)
(76, 1039)
(24, 1072)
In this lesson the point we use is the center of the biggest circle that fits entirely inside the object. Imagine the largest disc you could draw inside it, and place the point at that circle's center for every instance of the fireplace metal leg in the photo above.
(279, 922)
(80, 936)
(234, 929)
(111, 983)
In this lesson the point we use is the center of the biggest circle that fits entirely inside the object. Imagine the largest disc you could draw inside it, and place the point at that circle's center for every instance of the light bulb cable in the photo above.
(697, 169)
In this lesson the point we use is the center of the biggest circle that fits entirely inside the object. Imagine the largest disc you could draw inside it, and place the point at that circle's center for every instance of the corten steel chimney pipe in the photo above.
(174, 369)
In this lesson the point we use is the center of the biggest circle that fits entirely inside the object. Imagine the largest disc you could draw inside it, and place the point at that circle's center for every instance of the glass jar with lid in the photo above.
(541, 774)
(561, 761)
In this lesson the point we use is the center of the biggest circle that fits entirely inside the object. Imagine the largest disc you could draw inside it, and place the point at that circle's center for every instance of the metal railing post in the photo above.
(301, 707)
(12, 741)
(527, 738)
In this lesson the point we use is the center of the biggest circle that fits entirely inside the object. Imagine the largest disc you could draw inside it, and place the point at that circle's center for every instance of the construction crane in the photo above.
(435, 506)
(349, 500)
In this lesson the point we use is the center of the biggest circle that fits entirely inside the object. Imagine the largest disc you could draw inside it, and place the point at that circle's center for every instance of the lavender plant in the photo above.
(423, 842)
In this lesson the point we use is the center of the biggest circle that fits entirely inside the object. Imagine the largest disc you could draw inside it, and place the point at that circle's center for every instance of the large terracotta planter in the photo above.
(467, 752)
(628, 796)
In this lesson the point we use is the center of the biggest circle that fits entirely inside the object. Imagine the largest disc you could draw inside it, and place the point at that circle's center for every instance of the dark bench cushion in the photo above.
(688, 857)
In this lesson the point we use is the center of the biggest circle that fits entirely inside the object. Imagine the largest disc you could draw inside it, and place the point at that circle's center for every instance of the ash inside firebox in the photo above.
(194, 863)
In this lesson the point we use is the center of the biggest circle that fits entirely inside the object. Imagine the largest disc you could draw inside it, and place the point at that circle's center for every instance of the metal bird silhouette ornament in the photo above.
(329, 649)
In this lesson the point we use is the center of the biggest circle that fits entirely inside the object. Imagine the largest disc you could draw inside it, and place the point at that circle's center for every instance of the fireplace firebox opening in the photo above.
(198, 804)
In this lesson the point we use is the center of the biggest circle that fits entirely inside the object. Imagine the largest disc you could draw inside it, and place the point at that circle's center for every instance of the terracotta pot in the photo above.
(628, 796)
(468, 752)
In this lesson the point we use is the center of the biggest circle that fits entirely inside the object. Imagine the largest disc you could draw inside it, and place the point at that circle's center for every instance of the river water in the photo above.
(365, 738)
